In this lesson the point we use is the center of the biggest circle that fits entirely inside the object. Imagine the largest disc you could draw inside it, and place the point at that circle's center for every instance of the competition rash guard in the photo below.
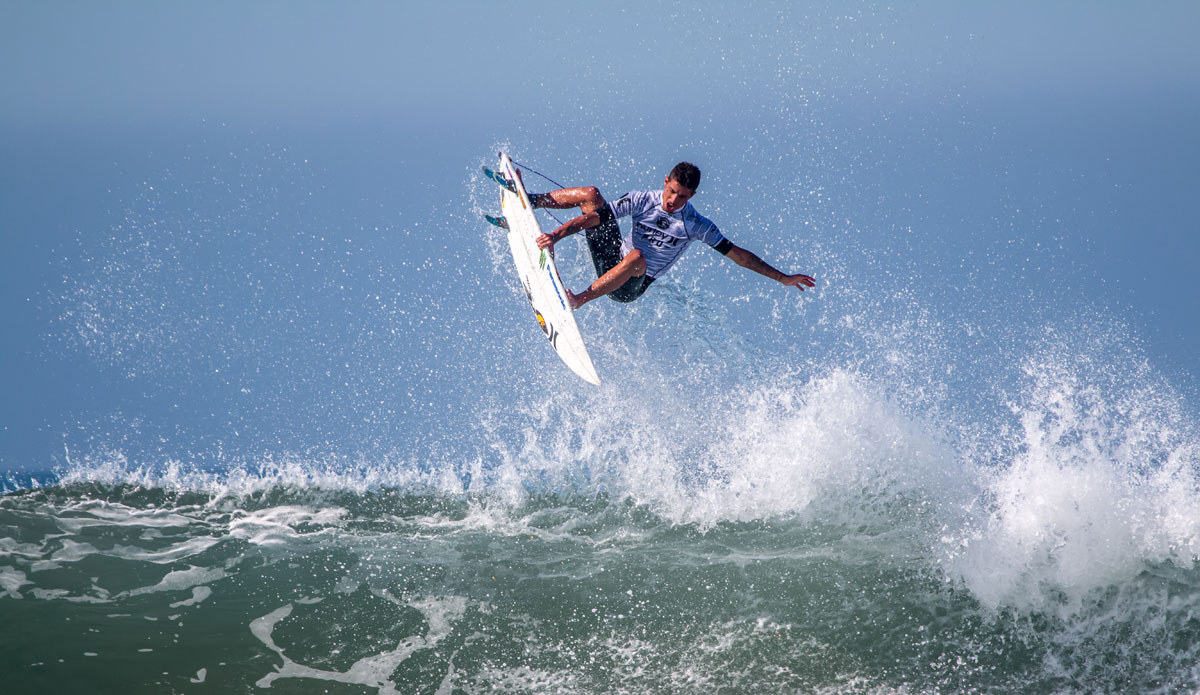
(662, 237)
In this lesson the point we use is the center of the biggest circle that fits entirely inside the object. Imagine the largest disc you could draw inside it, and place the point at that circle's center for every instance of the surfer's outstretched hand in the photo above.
(799, 281)
(545, 241)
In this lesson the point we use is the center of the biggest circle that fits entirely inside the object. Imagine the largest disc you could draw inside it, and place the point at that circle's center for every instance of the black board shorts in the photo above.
(604, 243)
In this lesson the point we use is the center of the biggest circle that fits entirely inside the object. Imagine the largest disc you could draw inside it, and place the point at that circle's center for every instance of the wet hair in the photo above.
(686, 174)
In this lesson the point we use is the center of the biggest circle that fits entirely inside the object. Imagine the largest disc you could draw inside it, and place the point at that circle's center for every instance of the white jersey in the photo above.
(662, 236)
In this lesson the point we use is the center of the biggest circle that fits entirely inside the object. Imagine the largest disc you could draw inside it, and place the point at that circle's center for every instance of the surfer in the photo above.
(664, 224)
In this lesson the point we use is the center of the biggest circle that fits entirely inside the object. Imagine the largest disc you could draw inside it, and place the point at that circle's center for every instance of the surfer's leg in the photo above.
(631, 266)
(604, 244)
(586, 198)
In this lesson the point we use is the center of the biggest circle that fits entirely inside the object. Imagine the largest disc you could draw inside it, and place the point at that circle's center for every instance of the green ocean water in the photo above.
(128, 589)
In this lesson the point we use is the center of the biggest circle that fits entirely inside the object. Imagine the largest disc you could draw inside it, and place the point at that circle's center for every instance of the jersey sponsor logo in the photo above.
(657, 238)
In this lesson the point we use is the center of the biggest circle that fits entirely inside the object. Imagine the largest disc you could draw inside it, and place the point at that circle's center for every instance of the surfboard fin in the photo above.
(499, 178)
(498, 221)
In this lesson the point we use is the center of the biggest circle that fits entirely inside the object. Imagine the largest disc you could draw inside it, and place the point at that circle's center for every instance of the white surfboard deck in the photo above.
(539, 277)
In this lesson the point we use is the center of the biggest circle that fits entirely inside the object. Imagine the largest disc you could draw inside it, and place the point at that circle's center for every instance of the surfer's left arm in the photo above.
(578, 224)
(749, 260)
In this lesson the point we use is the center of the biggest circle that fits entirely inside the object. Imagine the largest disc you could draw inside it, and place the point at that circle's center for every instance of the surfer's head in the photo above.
(680, 185)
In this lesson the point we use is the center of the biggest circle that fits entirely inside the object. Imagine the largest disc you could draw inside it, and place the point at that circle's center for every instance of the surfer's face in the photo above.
(675, 195)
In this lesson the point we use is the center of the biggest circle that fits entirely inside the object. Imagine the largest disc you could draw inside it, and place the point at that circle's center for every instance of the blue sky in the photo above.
(135, 62)
(1041, 155)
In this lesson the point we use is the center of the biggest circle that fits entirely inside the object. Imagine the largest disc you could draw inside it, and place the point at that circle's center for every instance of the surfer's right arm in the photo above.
(578, 224)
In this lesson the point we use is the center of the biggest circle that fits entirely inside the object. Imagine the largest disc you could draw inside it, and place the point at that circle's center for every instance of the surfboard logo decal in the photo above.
(551, 334)
(542, 260)
(554, 284)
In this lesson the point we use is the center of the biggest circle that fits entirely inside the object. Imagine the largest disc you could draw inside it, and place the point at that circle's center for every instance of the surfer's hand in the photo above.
(799, 281)
(545, 241)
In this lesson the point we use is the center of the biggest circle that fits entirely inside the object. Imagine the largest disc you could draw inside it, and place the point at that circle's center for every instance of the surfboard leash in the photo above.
(552, 181)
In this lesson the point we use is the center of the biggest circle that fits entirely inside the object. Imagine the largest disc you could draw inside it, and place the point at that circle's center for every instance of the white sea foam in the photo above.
(278, 525)
(30, 553)
(11, 581)
(72, 551)
(179, 580)
(1101, 482)
(835, 445)
(172, 553)
(373, 671)
(100, 513)
(199, 594)
(98, 595)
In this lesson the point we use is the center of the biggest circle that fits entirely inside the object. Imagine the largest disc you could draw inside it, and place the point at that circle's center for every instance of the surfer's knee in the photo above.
(591, 199)
(637, 281)
(636, 262)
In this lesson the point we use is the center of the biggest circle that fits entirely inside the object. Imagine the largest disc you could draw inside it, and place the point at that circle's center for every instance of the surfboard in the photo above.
(539, 275)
